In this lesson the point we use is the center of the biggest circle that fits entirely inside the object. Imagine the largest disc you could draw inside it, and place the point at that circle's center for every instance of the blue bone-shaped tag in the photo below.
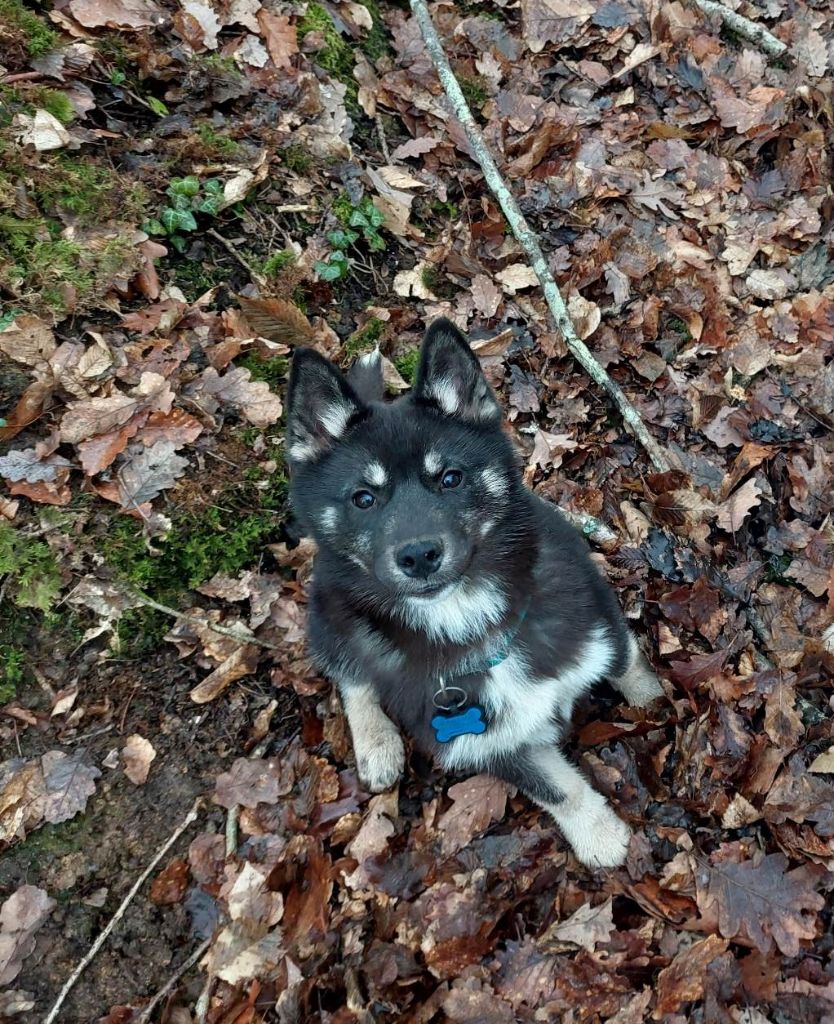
(465, 723)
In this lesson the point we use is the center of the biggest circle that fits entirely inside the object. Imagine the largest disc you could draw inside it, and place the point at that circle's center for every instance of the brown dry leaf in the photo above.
(478, 802)
(137, 755)
(97, 453)
(251, 399)
(415, 147)
(252, 781)
(485, 295)
(684, 979)
(8, 509)
(551, 21)
(759, 901)
(69, 782)
(120, 14)
(148, 471)
(733, 511)
(176, 426)
(32, 403)
(277, 320)
(517, 277)
(823, 763)
(586, 927)
(28, 340)
(83, 420)
(760, 106)
(281, 38)
(372, 839)
(242, 662)
(170, 884)
(548, 449)
(22, 791)
(21, 915)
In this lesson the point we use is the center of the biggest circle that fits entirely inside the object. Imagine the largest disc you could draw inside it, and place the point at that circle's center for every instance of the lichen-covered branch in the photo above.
(528, 240)
(744, 27)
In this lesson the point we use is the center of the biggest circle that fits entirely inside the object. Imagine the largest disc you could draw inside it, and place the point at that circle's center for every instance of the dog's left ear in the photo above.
(321, 404)
(450, 377)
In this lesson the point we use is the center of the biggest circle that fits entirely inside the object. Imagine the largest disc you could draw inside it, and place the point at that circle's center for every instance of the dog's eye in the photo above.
(363, 499)
(451, 478)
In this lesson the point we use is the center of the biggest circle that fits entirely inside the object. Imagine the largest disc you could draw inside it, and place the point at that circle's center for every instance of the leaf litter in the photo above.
(678, 183)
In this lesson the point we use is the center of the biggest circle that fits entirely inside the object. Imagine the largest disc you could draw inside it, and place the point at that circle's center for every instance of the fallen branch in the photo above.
(529, 242)
(259, 279)
(744, 27)
(114, 920)
(197, 620)
(145, 1015)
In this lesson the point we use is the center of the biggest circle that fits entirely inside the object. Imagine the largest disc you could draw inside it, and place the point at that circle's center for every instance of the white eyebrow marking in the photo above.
(375, 474)
(494, 481)
(432, 463)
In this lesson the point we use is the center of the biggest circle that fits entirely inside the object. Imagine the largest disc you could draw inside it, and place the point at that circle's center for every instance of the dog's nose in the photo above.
(420, 558)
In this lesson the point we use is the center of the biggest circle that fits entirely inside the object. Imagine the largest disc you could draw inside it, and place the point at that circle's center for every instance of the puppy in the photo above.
(448, 601)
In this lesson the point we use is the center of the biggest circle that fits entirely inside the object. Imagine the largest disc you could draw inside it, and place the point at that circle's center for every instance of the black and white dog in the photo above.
(446, 597)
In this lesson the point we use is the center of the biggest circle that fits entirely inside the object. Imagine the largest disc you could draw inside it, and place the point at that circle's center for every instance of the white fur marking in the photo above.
(597, 836)
(302, 451)
(446, 395)
(638, 684)
(486, 526)
(432, 463)
(370, 357)
(522, 709)
(328, 518)
(377, 745)
(375, 474)
(334, 419)
(462, 613)
(494, 481)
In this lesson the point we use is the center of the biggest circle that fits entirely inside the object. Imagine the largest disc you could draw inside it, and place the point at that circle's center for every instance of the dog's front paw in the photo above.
(643, 689)
(381, 764)
(598, 838)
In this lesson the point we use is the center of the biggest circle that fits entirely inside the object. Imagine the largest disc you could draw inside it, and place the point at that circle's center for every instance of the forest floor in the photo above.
(185, 193)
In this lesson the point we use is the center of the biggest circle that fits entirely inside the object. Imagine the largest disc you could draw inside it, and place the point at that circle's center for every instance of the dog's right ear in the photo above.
(321, 405)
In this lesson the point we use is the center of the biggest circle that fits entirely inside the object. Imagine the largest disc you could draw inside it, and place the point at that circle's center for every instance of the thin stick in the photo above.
(242, 638)
(259, 279)
(529, 242)
(145, 1015)
(747, 29)
(114, 920)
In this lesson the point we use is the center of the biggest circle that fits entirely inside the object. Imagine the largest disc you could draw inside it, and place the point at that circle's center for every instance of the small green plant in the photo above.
(277, 261)
(186, 197)
(12, 660)
(30, 568)
(216, 143)
(407, 365)
(37, 36)
(362, 221)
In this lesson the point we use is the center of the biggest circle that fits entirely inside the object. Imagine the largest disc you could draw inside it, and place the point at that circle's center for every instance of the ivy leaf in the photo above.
(157, 106)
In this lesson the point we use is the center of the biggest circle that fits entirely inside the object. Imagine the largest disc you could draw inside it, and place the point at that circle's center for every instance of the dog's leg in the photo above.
(597, 836)
(377, 745)
(638, 684)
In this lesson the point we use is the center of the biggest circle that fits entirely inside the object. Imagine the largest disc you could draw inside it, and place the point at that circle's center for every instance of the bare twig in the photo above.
(529, 242)
(114, 920)
(145, 1015)
(594, 529)
(259, 279)
(747, 29)
(383, 141)
(197, 620)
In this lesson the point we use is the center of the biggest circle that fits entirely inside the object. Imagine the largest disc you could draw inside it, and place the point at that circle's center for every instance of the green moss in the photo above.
(342, 208)
(407, 364)
(440, 286)
(474, 91)
(36, 35)
(223, 538)
(273, 371)
(296, 158)
(336, 56)
(217, 144)
(679, 327)
(365, 338)
(278, 261)
(28, 568)
(196, 277)
(375, 42)
(90, 192)
(12, 660)
(51, 842)
(57, 103)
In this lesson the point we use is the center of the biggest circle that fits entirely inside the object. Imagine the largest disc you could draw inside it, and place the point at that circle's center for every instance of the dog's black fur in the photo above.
(451, 560)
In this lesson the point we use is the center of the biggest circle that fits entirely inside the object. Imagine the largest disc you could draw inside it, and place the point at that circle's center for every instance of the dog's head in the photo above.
(415, 494)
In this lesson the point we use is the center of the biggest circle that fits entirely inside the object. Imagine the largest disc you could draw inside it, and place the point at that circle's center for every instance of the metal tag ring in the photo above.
(455, 705)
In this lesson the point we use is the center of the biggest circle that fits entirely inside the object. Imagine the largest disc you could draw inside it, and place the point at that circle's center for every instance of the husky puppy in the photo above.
(448, 601)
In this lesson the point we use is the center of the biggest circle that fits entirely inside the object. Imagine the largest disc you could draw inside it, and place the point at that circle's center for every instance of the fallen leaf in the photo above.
(28, 340)
(517, 277)
(760, 902)
(240, 663)
(121, 14)
(278, 320)
(251, 399)
(69, 782)
(252, 781)
(684, 979)
(586, 927)
(42, 130)
(148, 471)
(485, 295)
(137, 755)
(372, 839)
(170, 884)
(823, 763)
(21, 915)
(477, 803)
(281, 38)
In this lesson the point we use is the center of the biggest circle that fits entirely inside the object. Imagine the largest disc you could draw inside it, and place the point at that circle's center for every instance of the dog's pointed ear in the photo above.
(366, 378)
(320, 403)
(450, 377)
